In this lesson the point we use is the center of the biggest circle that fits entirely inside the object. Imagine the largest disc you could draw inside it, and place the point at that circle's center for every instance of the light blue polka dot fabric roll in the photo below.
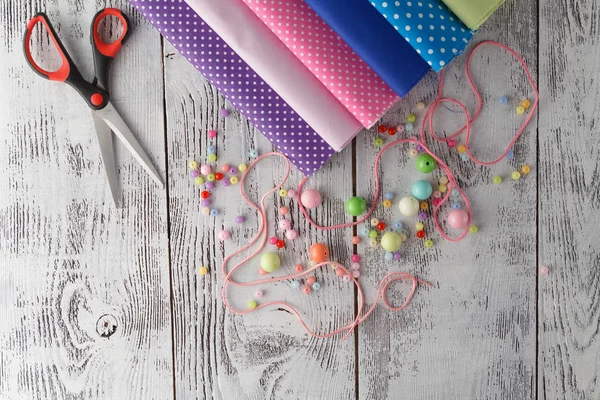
(429, 26)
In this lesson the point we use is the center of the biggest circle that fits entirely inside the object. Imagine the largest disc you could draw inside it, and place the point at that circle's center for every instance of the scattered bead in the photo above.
(285, 224)
(270, 262)
(388, 256)
(382, 128)
(437, 194)
(233, 180)
(397, 255)
(356, 274)
(520, 110)
(408, 206)
(233, 170)
(378, 142)
(311, 279)
(252, 304)
(400, 128)
(319, 252)
(436, 202)
(209, 186)
(242, 167)
(283, 192)
(525, 103)
(212, 134)
(374, 221)
(372, 234)
(205, 170)
(421, 190)
(426, 163)
(516, 175)
(386, 204)
(420, 148)
(310, 198)
(544, 270)
(458, 219)
(424, 206)
(411, 118)
(388, 196)
(203, 270)
(211, 149)
(212, 158)
(443, 180)
(473, 229)
(205, 211)
(284, 210)
(397, 226)
(205, 202)
(420, 234)
(509, 155)
(253, 153)
(224, 113)
(291, 234)
(355, 266)
(503, 100)
(497, 180)
(291, 193)
(339, 272)
(193, 164)
(391, 241)
(525, 169)
(365, 232)
(295, 284)
(355, 240)
(226, 182)
(219, 176)
(356, 206)
(392, 131)
(464, 157)
(420, 106)
(259, 293)
(240, 219)
(316, 286)
(442, 188)
(403, 237)
(347, 278)
(199, 181)
(355, 258)
(373, 243)
(455, 193)
(225, 168)
(273, 240)
(408, 127)
(422, 216)
(280, 244)
(455, 206)
(298, 268)
(419, 226)
(413, 153)
(381, 226)
(461, 148)
(214, 212)
(451, 143)
(428, 243)
(210, 177)
(262, 272)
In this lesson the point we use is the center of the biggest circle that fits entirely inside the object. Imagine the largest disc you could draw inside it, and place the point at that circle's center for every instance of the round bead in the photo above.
(253, 153)
(373, 243)
(381, 226)
(356, 274)
(520, 110)
(408, 206)
(422, 216)
(233, 180)
(295, 284)
(298, 268)
(544, 270)
(392, 131)
(382, 128)
(420, 234)
(259, 293)
(525, 103)
(285, 224)
(347, 278)
(397, 226)
(419, 226)
(252, 304)
(203, 270)
(319, 252)
(437, 194)
(464, 157)
(525, 169)
(451, 143)
(242, 167)
(397, 255)
(356, 206)
(428, 243)
(209, 185)
(365, 232)
(223, 235)
(421, 190)
(374, 221)
(339, 272)
(193, 164)
(205, 170)
(214, 212)
(420, 148)
(420, 106)
(497, 180)
(210, 177)
(391, 241)
(516, 175)
(372, 234)
(310, 198)
(455, 193)
(291, 234)
(509, 154)
(262, 271)
(226, 182)
(458, 219)
(424, 206)
(408, 127)
(378, 142)
(442, 188)
(311, 279)
(219, 176)
(199, 181)
(400, 128)
(224, 113)
(411, 118)
(316, 286)
(503, 100)
(225, 168)
(388, 196)
(280, 244)
(461, 148)
(473, 229)
(455, 206)
(291, 193)
(283, 192)
(355, 266)
(273, 240)
(403, 237)
(436, 202)
(212, 158)
(388, 256)
(212, 134)
(413, 153)
(194, 173)
(205, 211)
(443, 180)
(355, 258)
(355, 240)
(270, 262)
(240, 219)
(233, 170)
(284, 210)
(425, 163)
(205, 202)
(386, 204)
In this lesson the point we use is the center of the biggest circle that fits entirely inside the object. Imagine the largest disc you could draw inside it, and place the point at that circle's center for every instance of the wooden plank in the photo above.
(473, 335)
(569, 304)
(266, 354)
(70, 262)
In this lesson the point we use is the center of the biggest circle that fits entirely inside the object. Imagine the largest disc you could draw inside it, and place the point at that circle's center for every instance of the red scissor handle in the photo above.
(105, 52)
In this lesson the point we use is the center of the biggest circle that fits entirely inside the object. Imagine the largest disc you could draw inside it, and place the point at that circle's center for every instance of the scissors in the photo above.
(106, 119)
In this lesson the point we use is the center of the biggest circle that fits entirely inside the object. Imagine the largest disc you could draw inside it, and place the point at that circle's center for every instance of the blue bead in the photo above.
(295, 284)
(253, 153)
(211, 149)
(455, 193)
(456, 206)
(503, 100)
(421, 190)
(365, 232)
(509, 155)
(464, 157)
(388, 195)
(316, 286)
(397, 226)
(408, 127)
(388, 256)
(214, 212)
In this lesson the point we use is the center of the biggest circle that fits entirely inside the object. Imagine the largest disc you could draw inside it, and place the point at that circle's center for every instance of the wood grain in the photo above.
(569, 152)
(69, 261)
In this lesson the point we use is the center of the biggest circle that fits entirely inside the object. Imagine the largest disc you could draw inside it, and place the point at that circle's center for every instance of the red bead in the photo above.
(392, 131)
(381, 226)
(382, 128)
(452, 143)
(436, 202)
(218, 176)
(205, 194)
(280, 244)
(420, 234)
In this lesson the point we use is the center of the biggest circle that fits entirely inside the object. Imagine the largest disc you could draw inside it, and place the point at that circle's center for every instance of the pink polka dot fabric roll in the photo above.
(328, 57)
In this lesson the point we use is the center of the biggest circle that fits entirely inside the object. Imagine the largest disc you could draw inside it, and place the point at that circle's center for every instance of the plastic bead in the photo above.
(205, 211)
(291, 234)
(355, 258)
(284, 210)
(397, 256)
(374, 221)
(391, 241)
(420, 234)
(464, 157)
(203, 270)
(403, 237)
(397, 226)
(253, 153)
(544, 270)
(425, 163)
(420, 148)
(240, 219)
(400, 128)
(310, 198)
(392, 131)
(226, 182)
(355, 240)
(223, 235)
(413, 153)
(520, 110)
(316, 286)
(365, 232)
(458, 219)
(461, 148)
(242, 167)
(339, 272)
(421, 190)
(291, 193)
(199, 181)
(408, 127)
(219, 176)
(194, 173)
(233, 170)
(356, 274)
(252, 304)
(356, 206)
(411, 118)
(473, 229)
(388, 256)
(210, 177)
(451, 143)
(262, 272)
(372, 234)
(516, 175)
(214, 212)
(205, 202)
(355, 266)
(525, 103)
(273, 240)
(386, 204)
(212, 134)
(443, 180)
(212, 158)
(378, 142)
(422, 216)
(424, 206)
(420, 106)
(224, 113)
(437, 194)
(442, 188)
(225, 168)
(259, 293)
(503, 100)
(193, 164)
(525, 169)
(419, 226)
(509, 155)
(211, 149)
(209, 186)
(347, 278)
(428, 243)
(283, 192)
(311, 279)
(381, 226)
(205, 170)
(436, 202)
(285, 224)
(270, 262)
(382, 128)
(280, 244)
(408, 206)
(319, 252)
(233, 180)
(497, 180)
(456, 206)
(295, 284)
(455, 193)
(388, 196)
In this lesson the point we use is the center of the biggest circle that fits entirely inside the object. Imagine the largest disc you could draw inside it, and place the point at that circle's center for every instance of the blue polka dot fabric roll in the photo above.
(429, 26)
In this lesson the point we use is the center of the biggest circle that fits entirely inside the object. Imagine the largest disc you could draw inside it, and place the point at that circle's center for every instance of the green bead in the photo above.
(473, 229)
(356, 206)
(372, 234)
(425, 163)
(497, 180)
(212, 157)
(391, 242)
(428, 243)
(378, 142)
(270, 262)
(412, 118)
(252, 304)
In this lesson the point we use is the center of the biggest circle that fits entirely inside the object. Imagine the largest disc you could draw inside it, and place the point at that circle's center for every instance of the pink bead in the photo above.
(273, 240)
(291, 193)
(355, 240)
(225, 167)
(310, 280)
(436, 202)
(452, 143)
(400, 128)
(544, 270)
(310, 198)
(291, 234)
(259, 293)
(285, 224)
(212, 134)
(205, 170)
(355, 266)
(223, 235)
(437, 194)
(306, 289)
(339, 272)
(355, 258)
(284, 210)
(458, 219)
(347, 278)
(356, 274)
(262, 272)
(299, 268)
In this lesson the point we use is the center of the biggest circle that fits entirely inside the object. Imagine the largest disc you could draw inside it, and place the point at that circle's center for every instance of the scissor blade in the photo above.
(115, 122)
(108, 156)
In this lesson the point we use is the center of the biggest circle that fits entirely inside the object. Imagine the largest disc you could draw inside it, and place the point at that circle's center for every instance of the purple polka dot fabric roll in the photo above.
(225, 70)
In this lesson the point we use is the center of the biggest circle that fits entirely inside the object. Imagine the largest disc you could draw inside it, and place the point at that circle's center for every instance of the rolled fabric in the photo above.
(430, 28)
(237, 82)
(473, 13)
(328, 57)
(248, 36)
(374, 40)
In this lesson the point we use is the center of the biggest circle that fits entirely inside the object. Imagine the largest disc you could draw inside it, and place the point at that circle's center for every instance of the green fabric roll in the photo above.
(473, 13)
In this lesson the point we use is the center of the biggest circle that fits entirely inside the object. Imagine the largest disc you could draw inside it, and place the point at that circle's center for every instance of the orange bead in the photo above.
(310, 280)
(424, 205)
(420, 234)
(319, 252)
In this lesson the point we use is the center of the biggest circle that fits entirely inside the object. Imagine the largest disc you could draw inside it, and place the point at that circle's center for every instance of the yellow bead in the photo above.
(497, 180)
(420, 105)
(424, 205)
(210, 177)
(283, 192)
(419, 226)
(516, 175)
(252, 304)
(413, 152)
(242, 167)
(387, 203)
(203, 270)
(443, 188)
(212, 157)
(473, 229)
(520, 110)
(461, 148)
(525, 103)
(199, 180)
(373, 243)
(403, 237)
(428, 243)
(525, 169)
(411, 118)
(233, 180)
(443, 180)
(193, 164)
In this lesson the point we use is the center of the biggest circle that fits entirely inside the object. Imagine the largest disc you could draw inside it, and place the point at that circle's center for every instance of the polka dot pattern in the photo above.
(328, 57)
(237, 82)
(429, 26)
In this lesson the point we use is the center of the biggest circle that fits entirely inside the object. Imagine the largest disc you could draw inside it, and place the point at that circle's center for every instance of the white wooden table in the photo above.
(492, 326)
